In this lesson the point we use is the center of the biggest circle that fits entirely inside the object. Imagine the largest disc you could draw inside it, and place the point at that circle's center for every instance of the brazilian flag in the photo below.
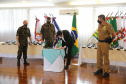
(74, 33)
(59, 44)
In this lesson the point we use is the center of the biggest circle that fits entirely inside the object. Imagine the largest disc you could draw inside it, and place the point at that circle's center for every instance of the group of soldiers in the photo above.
(48, 34)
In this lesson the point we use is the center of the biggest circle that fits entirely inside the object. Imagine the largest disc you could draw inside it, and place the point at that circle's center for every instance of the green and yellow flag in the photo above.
(114, 24)
(96, 34)
(74, 33)
(59, 44)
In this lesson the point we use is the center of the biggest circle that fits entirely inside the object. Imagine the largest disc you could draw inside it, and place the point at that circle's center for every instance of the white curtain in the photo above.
(11, 19)
(84, 21)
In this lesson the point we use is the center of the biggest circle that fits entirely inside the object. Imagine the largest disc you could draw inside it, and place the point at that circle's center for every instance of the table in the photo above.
(89, 55)
(34, 51)
(53, 60)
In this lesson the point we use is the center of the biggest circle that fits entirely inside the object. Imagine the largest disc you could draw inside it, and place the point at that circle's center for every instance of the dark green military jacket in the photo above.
(23, 33)
(48, 32)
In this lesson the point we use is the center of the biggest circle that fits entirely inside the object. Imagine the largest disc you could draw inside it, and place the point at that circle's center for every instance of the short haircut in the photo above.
(24, 21)
(102, 17)
(59, 33)
(48, 18)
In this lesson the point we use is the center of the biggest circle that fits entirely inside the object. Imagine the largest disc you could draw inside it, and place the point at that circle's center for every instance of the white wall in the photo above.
(11, 19)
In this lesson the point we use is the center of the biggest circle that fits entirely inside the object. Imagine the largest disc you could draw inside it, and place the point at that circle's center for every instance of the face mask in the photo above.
(48, 22)
(99, 21)
(25, 25)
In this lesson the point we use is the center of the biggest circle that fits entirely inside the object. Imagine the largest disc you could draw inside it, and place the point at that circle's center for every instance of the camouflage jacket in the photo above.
(23, 34)
(48, 32)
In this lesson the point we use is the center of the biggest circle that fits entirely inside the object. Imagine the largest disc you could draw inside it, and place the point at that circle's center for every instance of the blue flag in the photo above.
(56, 28)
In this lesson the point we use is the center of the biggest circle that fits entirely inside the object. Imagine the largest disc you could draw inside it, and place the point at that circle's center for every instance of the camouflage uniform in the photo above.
(23, 34)
(48, 32)
(104, 31)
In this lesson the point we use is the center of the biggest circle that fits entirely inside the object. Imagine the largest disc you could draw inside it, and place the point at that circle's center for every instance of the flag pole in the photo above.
(111, 14)
(52, 15)
(115, 15)
(107, 18)
(35, 27)
(121, 13)
(88, 40)
(45, 14)
(95, 41)
(107, 15)
(90, 37)
(35, 16)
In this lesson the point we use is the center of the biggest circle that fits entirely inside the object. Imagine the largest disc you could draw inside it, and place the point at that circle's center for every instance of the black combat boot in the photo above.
(98, 72)
(25, 62)
(105, 75)
(18, 62)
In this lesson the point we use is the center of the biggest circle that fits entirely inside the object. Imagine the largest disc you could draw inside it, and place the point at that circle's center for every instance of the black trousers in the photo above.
(68, 55)
(22, 49)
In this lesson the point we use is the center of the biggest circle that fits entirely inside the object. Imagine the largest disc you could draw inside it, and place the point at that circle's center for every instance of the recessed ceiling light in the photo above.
(23, 1)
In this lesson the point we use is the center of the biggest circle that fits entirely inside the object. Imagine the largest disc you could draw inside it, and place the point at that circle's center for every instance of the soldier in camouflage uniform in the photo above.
(47, 33)
(22, 35)
(104, 31)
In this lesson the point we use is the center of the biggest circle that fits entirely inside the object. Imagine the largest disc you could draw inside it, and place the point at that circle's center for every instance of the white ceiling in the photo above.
(57, 3)
(35, 1)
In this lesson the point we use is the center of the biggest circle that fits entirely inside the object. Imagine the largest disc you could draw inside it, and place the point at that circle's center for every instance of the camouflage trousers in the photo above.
(24, 50)
(49, 44)
(103, 53)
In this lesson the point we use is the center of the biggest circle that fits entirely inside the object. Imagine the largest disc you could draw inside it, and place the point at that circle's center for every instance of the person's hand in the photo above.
(18, 44)
(56, 46)
(42, 41)
(62, 47)
(31, 44)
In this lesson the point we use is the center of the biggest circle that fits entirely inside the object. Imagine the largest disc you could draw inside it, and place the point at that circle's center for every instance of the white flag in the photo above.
(119, 27)
(37, 30)
(124, 31)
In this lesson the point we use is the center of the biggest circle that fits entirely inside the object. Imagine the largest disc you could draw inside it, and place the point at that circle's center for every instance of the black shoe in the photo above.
(18, 63)
(26, 63)
(105, 75)
(98, 72)
(66, 67)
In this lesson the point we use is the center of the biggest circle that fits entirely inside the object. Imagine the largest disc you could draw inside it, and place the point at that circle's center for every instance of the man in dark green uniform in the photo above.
(22, 35)
(47, 33)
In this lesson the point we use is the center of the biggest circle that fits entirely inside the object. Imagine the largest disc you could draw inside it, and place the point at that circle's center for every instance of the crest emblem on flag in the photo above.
(38, 38)
(120, 34)
(37, 30)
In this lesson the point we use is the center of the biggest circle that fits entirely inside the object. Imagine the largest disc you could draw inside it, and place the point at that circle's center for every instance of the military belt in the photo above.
(101, 40)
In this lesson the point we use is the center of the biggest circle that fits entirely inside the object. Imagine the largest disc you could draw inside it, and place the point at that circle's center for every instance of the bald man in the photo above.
(22, 35)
